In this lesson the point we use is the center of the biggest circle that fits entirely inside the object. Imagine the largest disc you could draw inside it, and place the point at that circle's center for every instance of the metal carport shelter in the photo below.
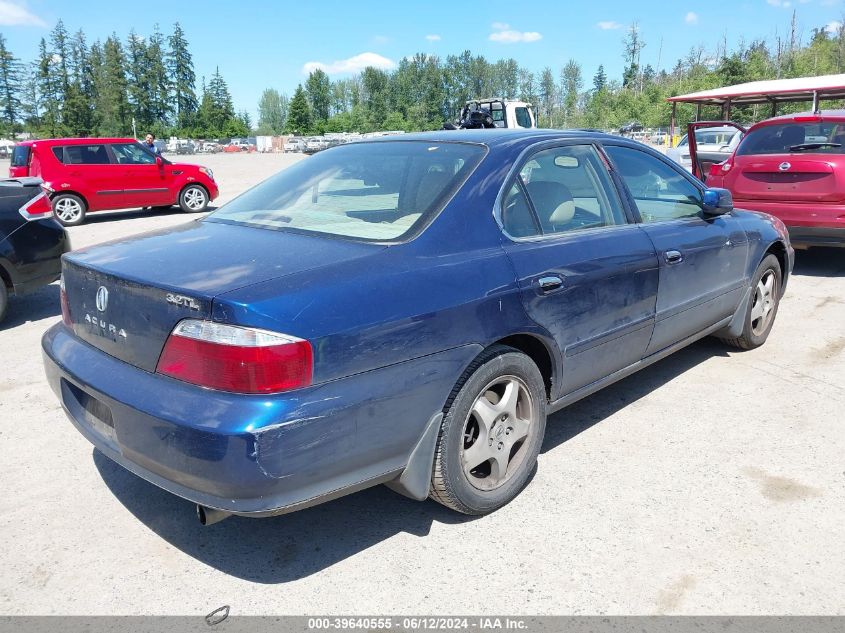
(771, 91)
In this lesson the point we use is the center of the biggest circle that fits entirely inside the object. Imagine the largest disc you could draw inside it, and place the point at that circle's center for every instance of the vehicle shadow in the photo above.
(40, 304)
(98, 217)
(294, 546)
(819, 262)
(580, 416)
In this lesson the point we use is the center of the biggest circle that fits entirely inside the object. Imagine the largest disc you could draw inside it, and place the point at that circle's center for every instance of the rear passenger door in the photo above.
(586, 274)
(88, 170)
(702, 258)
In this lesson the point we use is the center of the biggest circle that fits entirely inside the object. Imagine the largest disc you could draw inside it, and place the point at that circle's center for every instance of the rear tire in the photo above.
(762, 306)
(4, 300)
(193, 199)
(491, 434)
(69, 209)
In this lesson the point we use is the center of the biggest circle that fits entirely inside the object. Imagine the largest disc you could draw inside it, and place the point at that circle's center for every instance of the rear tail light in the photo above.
(720, 169)
(37, 208)
(234, 358)
(65, 306)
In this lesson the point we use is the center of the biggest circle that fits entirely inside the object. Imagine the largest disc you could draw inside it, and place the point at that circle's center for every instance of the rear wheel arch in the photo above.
(6, 278)
(72, 192)
(778, 249)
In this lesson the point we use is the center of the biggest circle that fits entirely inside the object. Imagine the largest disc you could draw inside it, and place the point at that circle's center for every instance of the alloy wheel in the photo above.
(762, 307)
(68, 210)
(195, 199)
(496, 432)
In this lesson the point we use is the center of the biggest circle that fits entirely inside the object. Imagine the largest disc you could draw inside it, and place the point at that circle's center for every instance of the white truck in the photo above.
(495, 112)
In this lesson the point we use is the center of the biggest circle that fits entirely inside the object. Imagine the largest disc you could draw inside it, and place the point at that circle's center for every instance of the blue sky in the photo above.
(259, 44)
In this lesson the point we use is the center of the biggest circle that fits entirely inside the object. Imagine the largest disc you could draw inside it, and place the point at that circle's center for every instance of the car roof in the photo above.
(804, 117)
(490, 137)
(77, 141)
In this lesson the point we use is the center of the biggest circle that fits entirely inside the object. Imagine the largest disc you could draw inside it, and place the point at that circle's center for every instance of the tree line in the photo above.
(76, 89)
(424, 91)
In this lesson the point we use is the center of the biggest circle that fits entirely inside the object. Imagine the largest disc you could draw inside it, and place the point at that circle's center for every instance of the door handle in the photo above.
(550, 283)
(673, 257)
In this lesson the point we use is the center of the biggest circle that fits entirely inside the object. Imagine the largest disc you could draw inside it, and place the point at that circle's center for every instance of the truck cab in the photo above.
(505, 113)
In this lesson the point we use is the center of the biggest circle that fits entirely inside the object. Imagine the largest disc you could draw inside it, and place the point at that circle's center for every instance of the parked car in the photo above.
(31, 241)
(185, 147)
(210, 147)
(84, 175)
(326, 331)
(792, 167)
(721, 141)
(294, 145)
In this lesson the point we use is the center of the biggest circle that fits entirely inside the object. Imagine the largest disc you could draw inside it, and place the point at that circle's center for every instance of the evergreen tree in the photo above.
(49, 90)
(111, 86)
(137, 72)
(158, 83)
(180, 74)
(10, 85)
(223, 110)
(600, 79)
(61, 53)
(299, 113)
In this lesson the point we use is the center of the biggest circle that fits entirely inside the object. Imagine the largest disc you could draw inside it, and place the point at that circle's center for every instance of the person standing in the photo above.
(149, 143)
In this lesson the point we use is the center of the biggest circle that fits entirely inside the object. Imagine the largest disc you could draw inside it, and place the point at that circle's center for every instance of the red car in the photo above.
(83, 175)
(792, 167)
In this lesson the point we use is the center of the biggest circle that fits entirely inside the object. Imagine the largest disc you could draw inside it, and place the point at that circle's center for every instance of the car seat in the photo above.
(553, 202)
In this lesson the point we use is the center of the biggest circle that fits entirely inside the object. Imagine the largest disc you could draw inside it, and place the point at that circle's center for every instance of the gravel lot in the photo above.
(710, 483)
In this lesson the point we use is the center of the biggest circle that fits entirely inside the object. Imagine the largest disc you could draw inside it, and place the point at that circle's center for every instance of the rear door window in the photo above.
(569, 190)
(20, 155)
(523, 119)
(82, 154)
(818, 137)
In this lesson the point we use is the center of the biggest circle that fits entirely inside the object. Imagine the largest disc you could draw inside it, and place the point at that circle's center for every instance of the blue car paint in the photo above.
(393, 328)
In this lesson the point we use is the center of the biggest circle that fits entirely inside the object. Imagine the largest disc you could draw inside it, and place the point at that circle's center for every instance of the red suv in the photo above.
(792, 167)
(99, 174)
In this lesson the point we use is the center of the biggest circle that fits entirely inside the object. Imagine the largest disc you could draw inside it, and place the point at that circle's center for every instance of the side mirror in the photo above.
(717, 201)
(159, 161)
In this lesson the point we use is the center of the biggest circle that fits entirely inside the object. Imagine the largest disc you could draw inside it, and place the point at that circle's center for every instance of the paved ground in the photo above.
(710, 483)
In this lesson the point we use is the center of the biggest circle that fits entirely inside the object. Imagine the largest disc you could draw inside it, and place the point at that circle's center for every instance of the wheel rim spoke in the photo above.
(757, 310)
(501, 417)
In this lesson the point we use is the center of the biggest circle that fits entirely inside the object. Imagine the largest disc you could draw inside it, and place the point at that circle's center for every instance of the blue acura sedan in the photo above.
(404, 311)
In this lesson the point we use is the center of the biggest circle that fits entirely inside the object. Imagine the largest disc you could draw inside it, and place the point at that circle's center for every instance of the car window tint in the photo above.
(570, 189)
(517, 218)
(661, 192)
(371, 191)
(20, 156)
(820, 137)
(132, 154)
(523, 119)
(82, 154)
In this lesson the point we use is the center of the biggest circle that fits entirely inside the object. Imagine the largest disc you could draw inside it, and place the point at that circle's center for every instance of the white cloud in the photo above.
(352, 65)
(785, 4)
(503, 33)
(833, 27)
(691, 18)
(433, 37)
(609, 25)
(15, 14)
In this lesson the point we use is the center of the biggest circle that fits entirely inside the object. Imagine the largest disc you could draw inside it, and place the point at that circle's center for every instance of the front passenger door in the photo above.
(586, 275)
(702, 258)
(144, 181)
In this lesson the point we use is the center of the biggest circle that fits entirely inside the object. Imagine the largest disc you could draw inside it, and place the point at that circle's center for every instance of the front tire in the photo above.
(491, 434)
(193, 199)
(762, 307)
(69, 209)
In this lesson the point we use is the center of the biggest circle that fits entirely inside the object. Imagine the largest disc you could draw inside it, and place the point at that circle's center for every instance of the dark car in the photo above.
(31, 243)
(404, 311)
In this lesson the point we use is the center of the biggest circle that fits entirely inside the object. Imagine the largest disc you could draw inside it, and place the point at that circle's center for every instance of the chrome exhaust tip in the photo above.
(210, 516)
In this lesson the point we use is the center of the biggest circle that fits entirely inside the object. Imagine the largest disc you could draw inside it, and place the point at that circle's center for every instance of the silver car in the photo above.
(711, 140)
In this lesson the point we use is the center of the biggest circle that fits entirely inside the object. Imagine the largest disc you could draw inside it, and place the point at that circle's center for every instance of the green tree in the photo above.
(318, 91)
(571, 84)
(272, 112)
(599, 79)
(10, 85)
(158, 83)
(49, 90)
(181, 77)
(111, 88)
(299, 113)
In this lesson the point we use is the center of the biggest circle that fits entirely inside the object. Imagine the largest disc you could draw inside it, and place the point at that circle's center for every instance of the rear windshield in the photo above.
(20, 156)
(371, 191)
(787, 138)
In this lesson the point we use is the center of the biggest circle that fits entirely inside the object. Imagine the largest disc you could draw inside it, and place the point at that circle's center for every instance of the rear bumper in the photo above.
(249, 455)
(37, 248)
(808, 224)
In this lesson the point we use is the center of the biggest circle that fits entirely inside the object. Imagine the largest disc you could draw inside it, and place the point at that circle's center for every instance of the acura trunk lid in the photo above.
(126, 296)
